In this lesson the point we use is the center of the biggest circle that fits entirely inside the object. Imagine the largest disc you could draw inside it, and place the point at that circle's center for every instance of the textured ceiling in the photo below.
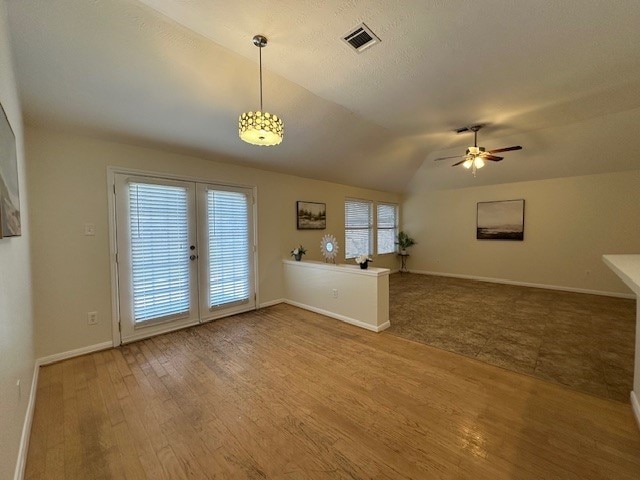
(176, 73)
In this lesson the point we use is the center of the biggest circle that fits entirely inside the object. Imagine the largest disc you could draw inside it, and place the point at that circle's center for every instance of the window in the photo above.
(387, 224)
(358, 227)
(360, 230)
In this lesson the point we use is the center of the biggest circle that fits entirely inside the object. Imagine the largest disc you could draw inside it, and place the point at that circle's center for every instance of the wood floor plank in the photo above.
(286, 393)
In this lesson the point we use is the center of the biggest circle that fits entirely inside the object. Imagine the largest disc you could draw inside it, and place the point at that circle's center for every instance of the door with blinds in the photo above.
(226, 250)
(185, 253)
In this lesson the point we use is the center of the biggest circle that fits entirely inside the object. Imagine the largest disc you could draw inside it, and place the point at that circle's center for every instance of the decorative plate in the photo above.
(329, 248)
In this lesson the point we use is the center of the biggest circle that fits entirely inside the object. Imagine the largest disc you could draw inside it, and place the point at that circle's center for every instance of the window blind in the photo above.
(228, 223)
(387, 217)
(159, 251)
(358, 227)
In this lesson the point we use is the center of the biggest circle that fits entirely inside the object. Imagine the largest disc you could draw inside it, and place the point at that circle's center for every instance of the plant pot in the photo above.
(364, 265)
(298, 257)
(403, 251)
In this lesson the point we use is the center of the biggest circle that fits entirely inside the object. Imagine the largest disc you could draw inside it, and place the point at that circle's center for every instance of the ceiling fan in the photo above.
(475, 156)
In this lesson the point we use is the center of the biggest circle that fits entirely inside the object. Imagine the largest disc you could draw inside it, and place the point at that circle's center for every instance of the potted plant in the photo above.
(298, 252)
(404, 242)
(363, 261)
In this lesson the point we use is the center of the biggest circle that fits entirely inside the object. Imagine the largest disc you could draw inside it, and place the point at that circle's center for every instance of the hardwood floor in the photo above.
(286, 393)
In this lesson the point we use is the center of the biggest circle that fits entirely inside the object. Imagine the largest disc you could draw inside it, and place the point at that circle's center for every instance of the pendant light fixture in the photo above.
(260, 128)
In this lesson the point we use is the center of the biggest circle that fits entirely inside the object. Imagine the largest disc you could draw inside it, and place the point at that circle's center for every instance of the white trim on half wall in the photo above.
(338, 316)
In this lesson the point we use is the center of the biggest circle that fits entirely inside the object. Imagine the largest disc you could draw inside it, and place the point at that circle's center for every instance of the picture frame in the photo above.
(500, 220)
(10, 224)
(311, 215)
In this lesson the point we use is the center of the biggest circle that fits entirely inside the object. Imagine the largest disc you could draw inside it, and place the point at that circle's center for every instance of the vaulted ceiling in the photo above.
(175, 74)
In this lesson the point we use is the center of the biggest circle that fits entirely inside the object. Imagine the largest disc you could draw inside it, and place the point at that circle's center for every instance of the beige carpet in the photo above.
(582, 341)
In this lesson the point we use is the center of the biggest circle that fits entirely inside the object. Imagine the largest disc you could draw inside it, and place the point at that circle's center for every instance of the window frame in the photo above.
(396, 224)
(373, 225)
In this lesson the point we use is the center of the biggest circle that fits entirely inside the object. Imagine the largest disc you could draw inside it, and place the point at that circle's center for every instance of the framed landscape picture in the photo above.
(9, 194)
(311, 215)
(501, 220)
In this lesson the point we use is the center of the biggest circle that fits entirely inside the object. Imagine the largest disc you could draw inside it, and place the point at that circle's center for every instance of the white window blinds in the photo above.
(229, 270)
(159, 251)
(387, 217)
(358, 227)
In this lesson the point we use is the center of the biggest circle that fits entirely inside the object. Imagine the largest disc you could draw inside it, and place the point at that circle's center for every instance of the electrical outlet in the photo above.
(334, 293)
(89, 229)
(92, 318)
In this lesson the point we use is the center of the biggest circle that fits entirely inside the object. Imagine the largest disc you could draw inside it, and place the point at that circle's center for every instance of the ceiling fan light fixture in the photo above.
(260, 128)
(474, 150)
(476, 157)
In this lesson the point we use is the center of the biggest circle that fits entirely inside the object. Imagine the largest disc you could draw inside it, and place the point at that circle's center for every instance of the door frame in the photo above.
(113, 244)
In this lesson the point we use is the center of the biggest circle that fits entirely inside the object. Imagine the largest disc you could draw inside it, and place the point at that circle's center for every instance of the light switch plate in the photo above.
(89, 229)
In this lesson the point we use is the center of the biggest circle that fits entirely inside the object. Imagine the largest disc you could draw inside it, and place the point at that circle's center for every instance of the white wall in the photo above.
(16, 321)
(68, 181)
(361, 296)
(569, 224)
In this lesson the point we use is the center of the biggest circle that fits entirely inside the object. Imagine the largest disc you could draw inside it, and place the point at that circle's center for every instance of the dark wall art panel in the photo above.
(311, 215)
(500, 220)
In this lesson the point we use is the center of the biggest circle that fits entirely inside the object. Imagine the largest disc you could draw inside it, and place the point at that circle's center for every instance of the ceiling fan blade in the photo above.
(447, 158)
(493, 158)
(459, 163)
(506, 149)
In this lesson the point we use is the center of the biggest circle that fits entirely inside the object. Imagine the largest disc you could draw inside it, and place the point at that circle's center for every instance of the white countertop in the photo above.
(627, 267)
(352, 269)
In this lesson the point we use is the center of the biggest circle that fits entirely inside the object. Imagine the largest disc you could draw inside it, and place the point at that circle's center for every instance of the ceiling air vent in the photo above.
(361, 38)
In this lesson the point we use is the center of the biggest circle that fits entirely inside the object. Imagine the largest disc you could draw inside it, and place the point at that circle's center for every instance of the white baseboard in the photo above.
(271, 303)
(337, 316)
(23, 450)
(635, 406)
(384, 326)
(526, 284)
(57, 357)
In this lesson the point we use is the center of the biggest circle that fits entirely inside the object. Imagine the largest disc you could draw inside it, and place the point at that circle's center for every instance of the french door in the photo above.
(185, 253)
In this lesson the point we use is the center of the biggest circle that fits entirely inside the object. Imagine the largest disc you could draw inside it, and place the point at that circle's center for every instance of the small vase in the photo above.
(298, 257)
(364, 265)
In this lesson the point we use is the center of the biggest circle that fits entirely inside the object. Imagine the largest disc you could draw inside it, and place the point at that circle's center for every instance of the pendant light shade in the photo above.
(260, 128)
